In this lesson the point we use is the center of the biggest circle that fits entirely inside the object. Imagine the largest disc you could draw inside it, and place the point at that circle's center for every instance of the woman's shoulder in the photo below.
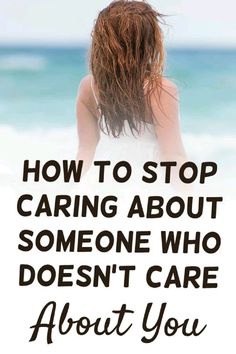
(85, 85)
(165, 92)
(165, 102)
(85, 91)
(86, 94)
(168, 86)
(166, 81)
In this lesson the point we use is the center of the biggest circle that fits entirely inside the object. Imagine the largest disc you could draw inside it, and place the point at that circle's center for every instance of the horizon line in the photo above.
(84, 45)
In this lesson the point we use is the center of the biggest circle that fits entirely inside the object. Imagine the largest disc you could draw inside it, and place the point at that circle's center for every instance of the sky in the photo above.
(206, 23)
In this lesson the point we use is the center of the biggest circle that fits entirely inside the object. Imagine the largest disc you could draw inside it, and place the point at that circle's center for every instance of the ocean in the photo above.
(38, 86)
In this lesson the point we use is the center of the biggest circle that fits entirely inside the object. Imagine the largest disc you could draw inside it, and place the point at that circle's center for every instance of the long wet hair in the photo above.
(127, 49)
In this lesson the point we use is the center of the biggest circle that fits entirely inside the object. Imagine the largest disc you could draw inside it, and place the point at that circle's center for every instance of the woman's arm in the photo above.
(165, 106)
(87, 123)
(166, 113)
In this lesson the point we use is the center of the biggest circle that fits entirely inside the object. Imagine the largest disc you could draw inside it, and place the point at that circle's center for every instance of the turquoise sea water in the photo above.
(38, 87)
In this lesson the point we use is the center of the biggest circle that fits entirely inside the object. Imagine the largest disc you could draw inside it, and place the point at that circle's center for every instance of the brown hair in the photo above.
(127, 49)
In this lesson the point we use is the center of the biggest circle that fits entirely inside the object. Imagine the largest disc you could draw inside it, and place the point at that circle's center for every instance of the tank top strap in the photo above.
(94, 95)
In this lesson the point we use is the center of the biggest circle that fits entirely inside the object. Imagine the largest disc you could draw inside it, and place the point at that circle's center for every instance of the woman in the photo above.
(126, 101)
